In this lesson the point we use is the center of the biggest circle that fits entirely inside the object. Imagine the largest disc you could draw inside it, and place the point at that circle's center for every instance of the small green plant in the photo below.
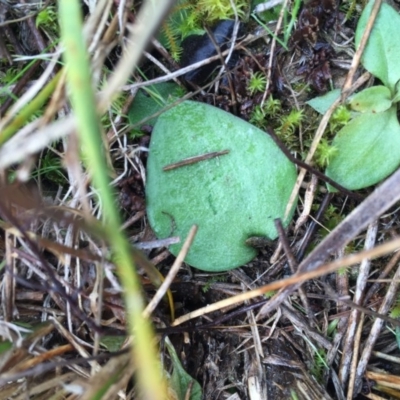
(264, 115)
(366, 146)
(288, 125)
(258, 117)
(51, 168)
(269, 294)
(215, 10)
(179, 381)
(273, 107)
(257, 82)
(340, 118)
(189, 17)
(212, 280)
(395, 313)
(8, 76)
(319, 365)
(47, 18)
(325, 152)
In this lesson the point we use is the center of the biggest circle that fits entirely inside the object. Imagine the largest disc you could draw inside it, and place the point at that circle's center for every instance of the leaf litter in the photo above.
(63, 318)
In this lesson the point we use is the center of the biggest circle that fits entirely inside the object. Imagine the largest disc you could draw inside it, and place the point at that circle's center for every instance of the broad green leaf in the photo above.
(321, 104)
(398, 336)
(374, 99)
(180, 379)
(151, 100)
(381, 55)
(368, 150)
(396, 97)
(112, 343)
(230, 197)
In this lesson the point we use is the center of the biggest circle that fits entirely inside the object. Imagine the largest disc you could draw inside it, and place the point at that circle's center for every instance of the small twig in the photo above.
(312, 229)
(363, 274)
(171, 274)
(40, 44)
(386, 304)
(293, 282)
(357, 340)
(156, 244)
(272, 51)
(224, 63)
(311, 169)
(195, 159)
(266, 6)
(214, 323)
(384, 196)
(317, 138)
(293, 264)
(285, 244)
(357, 56)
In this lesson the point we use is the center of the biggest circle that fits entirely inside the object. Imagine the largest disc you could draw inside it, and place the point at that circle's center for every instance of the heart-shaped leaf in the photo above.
(230, 197)
(367, 150)
(374, 99)
(381, 55)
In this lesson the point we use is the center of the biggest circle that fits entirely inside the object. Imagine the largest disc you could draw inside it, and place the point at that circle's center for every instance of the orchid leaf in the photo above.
(181, 383)
(374, 99)
(381, 54)
(230, 197)
(366, 150)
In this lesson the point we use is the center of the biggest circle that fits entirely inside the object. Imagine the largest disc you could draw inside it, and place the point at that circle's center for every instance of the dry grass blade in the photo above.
(295, 280)
(384, 197)
(355, 314)
(171, 274)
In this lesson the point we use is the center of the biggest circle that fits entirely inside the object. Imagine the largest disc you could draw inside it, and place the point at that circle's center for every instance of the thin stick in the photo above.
(195, 159)
(317, 138)
(357, 56)
(309, 168)
(298, 278)
(171, 274)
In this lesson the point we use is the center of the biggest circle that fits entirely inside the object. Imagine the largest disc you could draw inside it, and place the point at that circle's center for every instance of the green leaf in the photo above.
(151, 100)
(374, 99)
(381, 55)
(367, 150)
(230, 197)
(180, 379)
(398, 336)
(396, 97)
(321, 104)
(112, 343)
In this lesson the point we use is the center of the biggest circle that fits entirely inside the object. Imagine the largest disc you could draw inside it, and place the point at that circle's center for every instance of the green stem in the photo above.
(88, 122)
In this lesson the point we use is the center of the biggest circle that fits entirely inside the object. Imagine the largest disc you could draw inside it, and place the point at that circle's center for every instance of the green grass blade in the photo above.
(88, 122)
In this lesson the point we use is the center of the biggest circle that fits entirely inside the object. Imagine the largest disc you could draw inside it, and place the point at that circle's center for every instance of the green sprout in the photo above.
(258, 117)
(395, 313)
(257, 82)
(288, 126)
(215, 10)
(189, 17)
(324, 153)
(273, 107)
(47, 18)
(317, 370)
(340, 118)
